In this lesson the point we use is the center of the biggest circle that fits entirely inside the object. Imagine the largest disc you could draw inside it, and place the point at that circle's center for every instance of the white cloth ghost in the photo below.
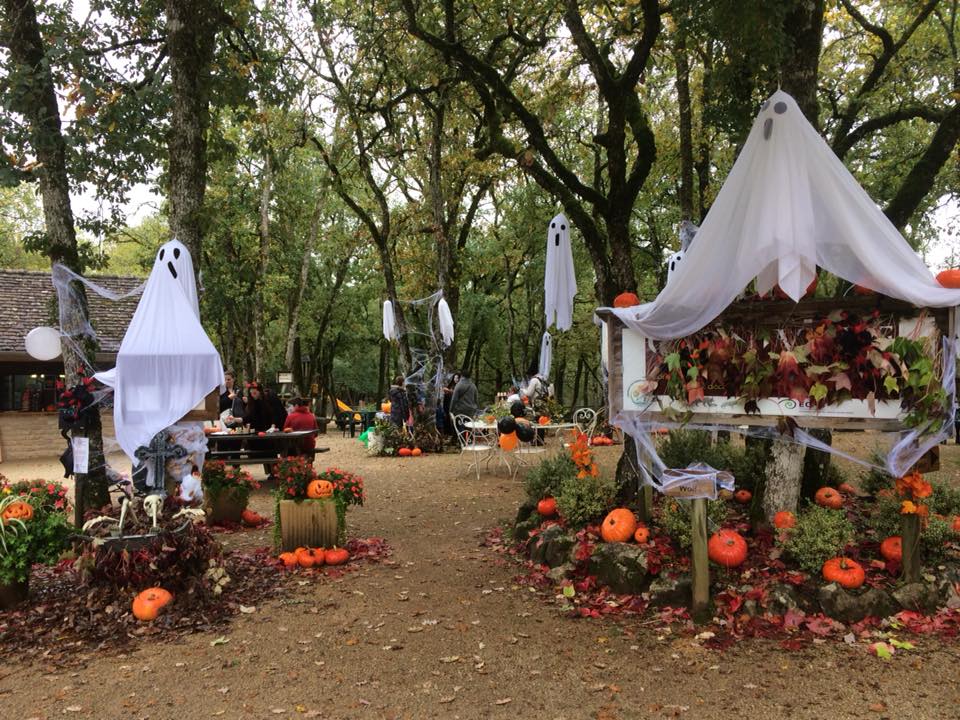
(445, 318)
(687, 232)
(166, 364)
(560, 281)
(389, 322)
(546, 355)
(788, 206)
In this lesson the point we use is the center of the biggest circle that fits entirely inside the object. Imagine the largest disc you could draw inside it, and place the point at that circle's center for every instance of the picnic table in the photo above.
(250, 448)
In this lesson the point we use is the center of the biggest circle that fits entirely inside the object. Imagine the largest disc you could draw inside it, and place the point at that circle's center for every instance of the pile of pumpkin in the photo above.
(314, 557)
(409, 452)
(598, 440)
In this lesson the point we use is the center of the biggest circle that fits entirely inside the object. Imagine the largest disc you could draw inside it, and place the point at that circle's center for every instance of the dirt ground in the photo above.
(443, 631)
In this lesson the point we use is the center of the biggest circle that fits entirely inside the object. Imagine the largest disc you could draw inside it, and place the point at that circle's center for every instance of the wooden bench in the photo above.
(241, 457)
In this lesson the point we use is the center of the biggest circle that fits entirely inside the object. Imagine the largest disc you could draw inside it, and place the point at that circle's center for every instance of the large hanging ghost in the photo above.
(560, 281)
(166, 364)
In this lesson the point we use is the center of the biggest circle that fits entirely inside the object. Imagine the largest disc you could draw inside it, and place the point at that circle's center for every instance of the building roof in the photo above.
(30, 300)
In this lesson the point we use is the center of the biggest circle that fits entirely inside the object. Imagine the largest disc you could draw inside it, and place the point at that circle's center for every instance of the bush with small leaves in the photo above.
(820, 534)
(675, 518)
(582, 501)
(546, 479)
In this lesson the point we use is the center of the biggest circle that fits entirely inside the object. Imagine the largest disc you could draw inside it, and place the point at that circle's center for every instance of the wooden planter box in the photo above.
(14, 594)
(309, 523)
(225, 506)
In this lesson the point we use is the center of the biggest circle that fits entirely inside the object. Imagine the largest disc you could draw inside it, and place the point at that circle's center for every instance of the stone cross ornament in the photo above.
(154, 457)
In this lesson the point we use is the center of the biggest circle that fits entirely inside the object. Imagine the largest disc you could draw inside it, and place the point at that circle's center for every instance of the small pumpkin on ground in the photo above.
(845, 572)
(19, 510)
(727, 547)
(956, 524)
(828, 497)
(846, 488)
(547, 507)
(618, 526)
(251, 518)
(305, 559)
(642, 534)
(743, 496)
(336, 556)
(416, 452)
(892, 549)
(404, 452)
(289, 559)
(784, 520)
(319, 489)
(150, 603)
(319, 556)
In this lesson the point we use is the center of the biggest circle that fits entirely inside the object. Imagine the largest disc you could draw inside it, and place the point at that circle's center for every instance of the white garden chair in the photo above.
(477, 444)
(586, 420)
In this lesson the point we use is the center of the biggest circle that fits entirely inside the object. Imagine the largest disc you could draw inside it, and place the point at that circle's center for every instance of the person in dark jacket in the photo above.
(447, 397)
(257, 413)
(399, 404)
(277, 408)
(302, 419)
(464, 399)
(231, 399)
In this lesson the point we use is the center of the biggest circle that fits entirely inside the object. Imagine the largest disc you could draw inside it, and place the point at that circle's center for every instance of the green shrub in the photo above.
(820, 534)
(933, 540)
(683, 447)
(582, 501)
(885, 521)
(675, 517)
(876, 479)
(884, 518)
(945, 499)
(547, 478)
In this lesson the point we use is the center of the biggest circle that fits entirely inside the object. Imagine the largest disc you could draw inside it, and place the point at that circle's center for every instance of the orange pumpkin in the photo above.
(626, 299)
(784, 520)
(618, 526)
(956, 523)
(148, 604)
(846, 488)
(727, 548)
(305, 559)
(404, 452)
(289, 559)
(18, 510)
(641, 534)
(336, 556)
(843, 571)
(892, 549)
(544, 420)
(743, 496)
(251, 518)
(319, 556)
(416, 452)
(319, 489)
(547, 507)
(829, 498)
(949, 278)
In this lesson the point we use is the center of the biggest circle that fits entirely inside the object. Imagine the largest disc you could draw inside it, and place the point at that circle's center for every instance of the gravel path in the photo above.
(443, 631)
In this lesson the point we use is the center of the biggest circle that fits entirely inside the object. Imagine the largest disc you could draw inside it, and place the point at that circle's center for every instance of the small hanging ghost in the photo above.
(560, 280)
(389, 321)
(546, 356)
(687, 232)
(445, 318)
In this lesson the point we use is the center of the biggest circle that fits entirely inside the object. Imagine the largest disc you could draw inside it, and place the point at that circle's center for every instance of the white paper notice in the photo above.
(81, 454)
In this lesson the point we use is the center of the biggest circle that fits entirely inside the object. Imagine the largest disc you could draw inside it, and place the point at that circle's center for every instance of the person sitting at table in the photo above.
(399, 404)
(302, 419)
(230, 399)
(277, 409)
(257, 413)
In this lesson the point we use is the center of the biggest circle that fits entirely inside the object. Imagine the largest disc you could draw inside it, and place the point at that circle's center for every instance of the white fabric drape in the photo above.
(788, 206)
(546, 355)
(560, 280)
(445, 318)
(389, 321)
(166, 364)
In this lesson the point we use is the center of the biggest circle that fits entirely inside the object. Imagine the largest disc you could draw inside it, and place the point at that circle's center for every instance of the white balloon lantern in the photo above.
(43, 343)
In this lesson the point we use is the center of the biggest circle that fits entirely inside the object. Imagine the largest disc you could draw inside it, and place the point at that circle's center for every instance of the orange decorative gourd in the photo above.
(641, 534)
(289, 559)
(843, 571)
(743, 496)
(18, 510)
(404, 452)
(544, 420)
(618, 526)
(784, 520)
(319, 489)
(727, 548)
(892, 548)
(385, 407)
(626, 299)
(829, 498)
(949, 278)
(416, 452)
(336, 556)
(148, 604)
(547, 507)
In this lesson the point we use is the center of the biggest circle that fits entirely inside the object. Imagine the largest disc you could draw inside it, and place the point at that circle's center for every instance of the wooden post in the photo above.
(699, 565)
(910, 541)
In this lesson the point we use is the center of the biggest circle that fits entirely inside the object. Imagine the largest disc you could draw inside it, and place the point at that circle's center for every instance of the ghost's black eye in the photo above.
(553, 225)
(176, 253)
(780, 108)
(161, 253)
(563, 227)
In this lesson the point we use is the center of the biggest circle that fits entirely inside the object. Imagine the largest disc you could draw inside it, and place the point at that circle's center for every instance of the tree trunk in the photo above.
(305, 265)
(191, 32)
(782, 489)
(799, 70)
(686, 120)
(816, 465)
(35, 97)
